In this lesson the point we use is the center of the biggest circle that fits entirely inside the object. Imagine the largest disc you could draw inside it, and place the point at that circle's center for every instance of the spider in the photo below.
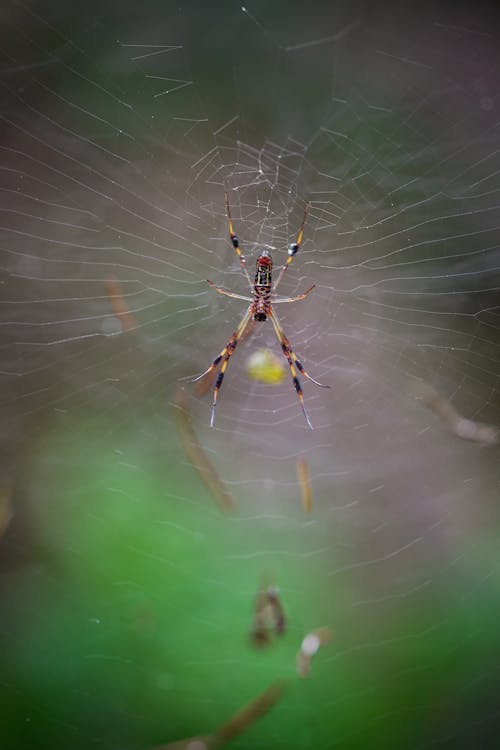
(261, 308)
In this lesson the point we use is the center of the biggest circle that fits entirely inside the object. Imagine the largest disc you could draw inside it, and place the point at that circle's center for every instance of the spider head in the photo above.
(264, 260)
(260, 316)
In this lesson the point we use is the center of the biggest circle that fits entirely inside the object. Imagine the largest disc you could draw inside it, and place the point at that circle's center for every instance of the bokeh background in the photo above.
(126, 594)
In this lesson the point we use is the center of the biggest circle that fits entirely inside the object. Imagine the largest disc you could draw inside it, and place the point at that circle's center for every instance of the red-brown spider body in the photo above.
(262, 287)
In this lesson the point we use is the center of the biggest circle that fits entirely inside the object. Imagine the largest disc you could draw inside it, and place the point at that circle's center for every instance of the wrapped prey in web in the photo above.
(266, 367)
(269, 616)
(309, 647)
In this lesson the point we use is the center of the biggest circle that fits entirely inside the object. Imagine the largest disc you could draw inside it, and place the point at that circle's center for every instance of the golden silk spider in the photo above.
(261, 308)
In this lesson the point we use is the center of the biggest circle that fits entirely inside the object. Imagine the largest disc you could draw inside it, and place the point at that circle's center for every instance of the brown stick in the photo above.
(248, 714)
(198, 457)
(119, 306)
(305, 484)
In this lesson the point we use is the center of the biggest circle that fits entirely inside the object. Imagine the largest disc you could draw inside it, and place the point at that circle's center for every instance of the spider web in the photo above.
(126, 595)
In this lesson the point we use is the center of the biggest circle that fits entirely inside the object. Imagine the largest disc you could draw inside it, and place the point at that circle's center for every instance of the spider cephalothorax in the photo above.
(261, 308)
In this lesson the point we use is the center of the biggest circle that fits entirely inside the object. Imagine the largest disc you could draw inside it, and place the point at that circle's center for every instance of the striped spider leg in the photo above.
(259, 309)
(224, 357)
(293, 249)
(293, 362)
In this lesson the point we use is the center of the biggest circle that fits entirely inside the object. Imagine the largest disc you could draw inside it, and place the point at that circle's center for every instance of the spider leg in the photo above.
(294, 247)
(236, 335)
(236, 244)
(224, 356)
(229, 349)
(292, 362)
(285, 345)
(294, 299)
(228, 293)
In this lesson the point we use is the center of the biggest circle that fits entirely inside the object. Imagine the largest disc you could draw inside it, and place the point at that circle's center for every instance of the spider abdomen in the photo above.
(262, 287)
(263, 274)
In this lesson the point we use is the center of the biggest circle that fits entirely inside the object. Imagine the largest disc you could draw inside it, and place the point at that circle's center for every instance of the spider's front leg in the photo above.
(227, 293)
(224, 357)
(294, 248)
(235, 243)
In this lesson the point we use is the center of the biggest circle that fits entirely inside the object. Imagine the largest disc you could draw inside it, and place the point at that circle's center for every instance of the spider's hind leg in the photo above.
(224, 357)
(293, 362)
